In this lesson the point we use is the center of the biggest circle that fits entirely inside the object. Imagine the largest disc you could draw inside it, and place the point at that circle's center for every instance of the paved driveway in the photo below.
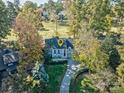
(71, 70)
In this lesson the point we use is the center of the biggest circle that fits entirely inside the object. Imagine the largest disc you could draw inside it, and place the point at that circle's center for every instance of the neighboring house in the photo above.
(8, 61)
(58, 49)
(61, 15)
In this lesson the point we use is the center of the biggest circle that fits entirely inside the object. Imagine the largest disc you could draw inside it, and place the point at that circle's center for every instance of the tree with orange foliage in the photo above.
(30, 45)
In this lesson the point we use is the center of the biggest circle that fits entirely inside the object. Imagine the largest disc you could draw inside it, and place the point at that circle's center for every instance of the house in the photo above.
(8, 61)
(58, 49)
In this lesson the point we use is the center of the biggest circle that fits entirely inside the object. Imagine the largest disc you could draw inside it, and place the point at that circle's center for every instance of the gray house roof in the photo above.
(11, 57)
(53, 43)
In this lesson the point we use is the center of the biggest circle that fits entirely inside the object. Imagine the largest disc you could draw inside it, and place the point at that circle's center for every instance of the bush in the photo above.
(117, 90)
(88, 87)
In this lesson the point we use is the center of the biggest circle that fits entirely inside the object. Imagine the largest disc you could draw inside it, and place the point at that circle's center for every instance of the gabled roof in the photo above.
(53, 43)
(12, 56)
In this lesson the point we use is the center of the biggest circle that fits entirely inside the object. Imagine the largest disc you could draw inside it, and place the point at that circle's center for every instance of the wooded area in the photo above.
(94, 34)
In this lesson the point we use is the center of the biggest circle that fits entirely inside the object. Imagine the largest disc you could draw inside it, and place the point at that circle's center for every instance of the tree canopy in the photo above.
(4, 20)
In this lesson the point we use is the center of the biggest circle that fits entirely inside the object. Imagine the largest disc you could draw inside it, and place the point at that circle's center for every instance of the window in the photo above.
(58, 51)
(64, 52)
(54, 51)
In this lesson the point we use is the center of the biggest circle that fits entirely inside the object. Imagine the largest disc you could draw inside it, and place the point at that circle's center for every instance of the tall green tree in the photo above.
(11, 11)
(17, 4)
(74, 11)
(94, 14)
(101, 20)
(59, 6)
(4, 20)
(29, 4)
(108, 46)
(119, 14)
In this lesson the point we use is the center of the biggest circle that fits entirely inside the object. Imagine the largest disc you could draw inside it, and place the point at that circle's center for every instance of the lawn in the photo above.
(56, 74)
(48, 31)
(76, 86)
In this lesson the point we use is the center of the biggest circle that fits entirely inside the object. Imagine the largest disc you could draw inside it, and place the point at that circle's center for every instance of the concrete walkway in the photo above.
(71, 70)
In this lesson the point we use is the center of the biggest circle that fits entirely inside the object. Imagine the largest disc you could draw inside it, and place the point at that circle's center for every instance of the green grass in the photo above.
(76, 87)
(48, 31)
(56, 74)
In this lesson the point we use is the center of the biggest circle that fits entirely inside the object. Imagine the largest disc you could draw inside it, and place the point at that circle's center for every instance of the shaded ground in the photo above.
(76, 86)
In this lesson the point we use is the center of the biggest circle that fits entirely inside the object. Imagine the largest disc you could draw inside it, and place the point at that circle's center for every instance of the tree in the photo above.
(101, 20)
(117, 90)
(120, 73)
(29, 39)
(51, 6)
(119, 8)
(30, 45)
(94, 14)
(88, 52)
(88, 87)
(103, 80)
(108, 46)
(119, 14)
(59, 6)
(33, 16)
(4, 20)
(16, 4)
(74, 12)
(29, 4)
(39, 73)
(11, 11)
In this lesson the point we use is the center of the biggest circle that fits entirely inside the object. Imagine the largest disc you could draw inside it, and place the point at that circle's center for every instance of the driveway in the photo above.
(71, 70)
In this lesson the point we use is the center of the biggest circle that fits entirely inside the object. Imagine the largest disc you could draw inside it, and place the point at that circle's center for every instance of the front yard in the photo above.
(56, 74)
